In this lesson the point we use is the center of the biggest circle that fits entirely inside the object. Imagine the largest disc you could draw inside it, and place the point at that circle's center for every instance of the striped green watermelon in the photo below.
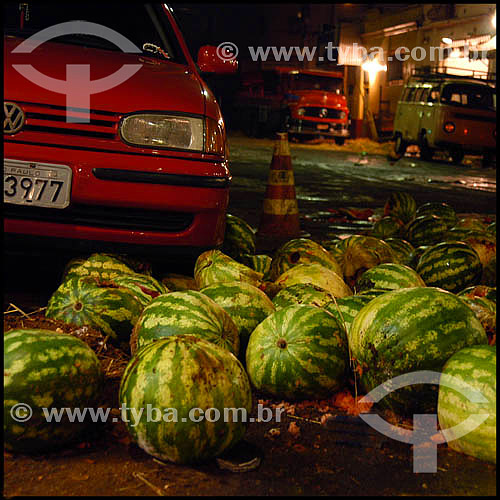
(457, 234)
(426, 230)
(302, 293)
(314, 274)
(144, 287)
(213, 266)
(401, 205)
(451, 265)
(408, 330)
(439, 209)
(473, 368)
(72, 264)
(102, 266)
(89, 301)
(359, 253)
(298, 352)
(415, 255)
(485, 245)
(386, 227)
(401, 250)
(486, 312)
(239, 237)
(345, 310)
(471, 223)
(260, 263)
(389, 276)
(301, 251)
(487, 292)
(246, 304)
(137, 264)
(189, 382)
(179, 282)
(46, 369)
(188, 312)
(372, 292)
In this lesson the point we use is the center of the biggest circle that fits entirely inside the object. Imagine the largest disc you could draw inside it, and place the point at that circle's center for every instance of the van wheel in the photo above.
(457, 156)
(426, 152)
(400, 145)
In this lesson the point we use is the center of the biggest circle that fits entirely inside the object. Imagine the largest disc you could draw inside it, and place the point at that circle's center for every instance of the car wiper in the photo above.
(155, 49)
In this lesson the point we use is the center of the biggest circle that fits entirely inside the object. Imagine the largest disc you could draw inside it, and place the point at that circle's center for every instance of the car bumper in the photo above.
(146, 200)
(311, 128)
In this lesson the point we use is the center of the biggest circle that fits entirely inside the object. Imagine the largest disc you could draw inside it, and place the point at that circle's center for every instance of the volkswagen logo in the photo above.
(13, 118)
(323, 113)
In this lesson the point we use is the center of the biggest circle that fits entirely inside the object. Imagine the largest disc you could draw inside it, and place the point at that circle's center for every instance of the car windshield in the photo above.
(470, 95)
(139, 23)
(303, 81)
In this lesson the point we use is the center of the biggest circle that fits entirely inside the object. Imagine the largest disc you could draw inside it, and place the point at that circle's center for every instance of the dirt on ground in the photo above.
(317, 448)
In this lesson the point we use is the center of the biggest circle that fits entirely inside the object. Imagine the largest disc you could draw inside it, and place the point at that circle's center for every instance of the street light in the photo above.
(373, 67)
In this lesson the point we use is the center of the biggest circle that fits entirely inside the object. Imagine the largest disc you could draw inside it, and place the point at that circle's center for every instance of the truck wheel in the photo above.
(400, 145)
(339, 141)
(457, 156)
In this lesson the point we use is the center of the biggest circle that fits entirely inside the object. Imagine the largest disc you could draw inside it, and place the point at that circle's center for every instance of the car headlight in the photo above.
(342, 115)
(301, 111)
(164, 131)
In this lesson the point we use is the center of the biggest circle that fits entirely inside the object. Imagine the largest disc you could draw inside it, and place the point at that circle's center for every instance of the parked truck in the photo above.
(306, 103)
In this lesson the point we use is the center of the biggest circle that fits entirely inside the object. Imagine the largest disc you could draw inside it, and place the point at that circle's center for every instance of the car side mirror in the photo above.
(210, 61)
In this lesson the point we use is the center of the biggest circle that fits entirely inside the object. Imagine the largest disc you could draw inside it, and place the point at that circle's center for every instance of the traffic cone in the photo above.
(280, 213)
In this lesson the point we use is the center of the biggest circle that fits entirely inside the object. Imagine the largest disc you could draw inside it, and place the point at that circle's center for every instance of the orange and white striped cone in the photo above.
(280, 213)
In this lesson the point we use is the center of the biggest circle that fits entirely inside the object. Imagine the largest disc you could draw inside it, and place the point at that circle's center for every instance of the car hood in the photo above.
(320, 98)
(155, 85)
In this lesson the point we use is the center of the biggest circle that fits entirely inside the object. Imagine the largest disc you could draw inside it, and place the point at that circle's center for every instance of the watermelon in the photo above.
(301, 251)
(359, 253)
(302, 293)
(415, 255)
(471, 223)
(188, 312)
(144, 287)
(72, 264)
(408, 330)
(386, 227)
(487, 292)
(46, 369)
(260, 263)
(485, 245)
(457, 234)
(298, 352)
(214, 266)
(179, 282)
(401, 250)
(473, 369)
(239, 237)
(489, 275)
(450, 265)
(138, 265)
(345, 310)
(246, 304)
(372, 292)
(441, 210)
(89, 301)
(401, 206)
(389, 276)
(426, 230)
(314, 274)
(186, 382)
(486, 312)
(104, 266)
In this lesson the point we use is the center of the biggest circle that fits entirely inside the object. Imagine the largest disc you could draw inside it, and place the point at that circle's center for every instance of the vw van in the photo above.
(112, 139)
(447, 112)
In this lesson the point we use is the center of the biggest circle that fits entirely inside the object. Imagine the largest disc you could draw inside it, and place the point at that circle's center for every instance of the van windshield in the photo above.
(140, 23)
(469, 95)
(303, 81)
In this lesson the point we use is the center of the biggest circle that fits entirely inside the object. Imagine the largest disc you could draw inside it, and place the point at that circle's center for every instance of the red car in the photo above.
(112, 140)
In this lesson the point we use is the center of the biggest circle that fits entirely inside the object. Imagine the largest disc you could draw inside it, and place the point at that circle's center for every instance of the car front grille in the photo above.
(52, 119)
(313, 111)
(104, 216)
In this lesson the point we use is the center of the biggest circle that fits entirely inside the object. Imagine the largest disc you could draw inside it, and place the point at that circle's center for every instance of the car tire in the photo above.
(400, 145)
(339, 141)
(457, 156)
(426, 152)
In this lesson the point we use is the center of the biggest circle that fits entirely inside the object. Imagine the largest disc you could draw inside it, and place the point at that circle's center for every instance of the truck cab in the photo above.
(304, 102)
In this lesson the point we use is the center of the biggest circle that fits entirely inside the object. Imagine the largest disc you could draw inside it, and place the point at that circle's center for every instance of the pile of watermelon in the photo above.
(415, 293)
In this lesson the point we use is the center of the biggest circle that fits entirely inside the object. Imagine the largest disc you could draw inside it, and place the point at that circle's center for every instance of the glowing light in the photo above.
(447, 40)
(373, 66)
(494, 20)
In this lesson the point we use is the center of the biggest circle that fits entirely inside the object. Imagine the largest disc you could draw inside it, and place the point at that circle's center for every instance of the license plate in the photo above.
(322, 126)
(36, 184)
